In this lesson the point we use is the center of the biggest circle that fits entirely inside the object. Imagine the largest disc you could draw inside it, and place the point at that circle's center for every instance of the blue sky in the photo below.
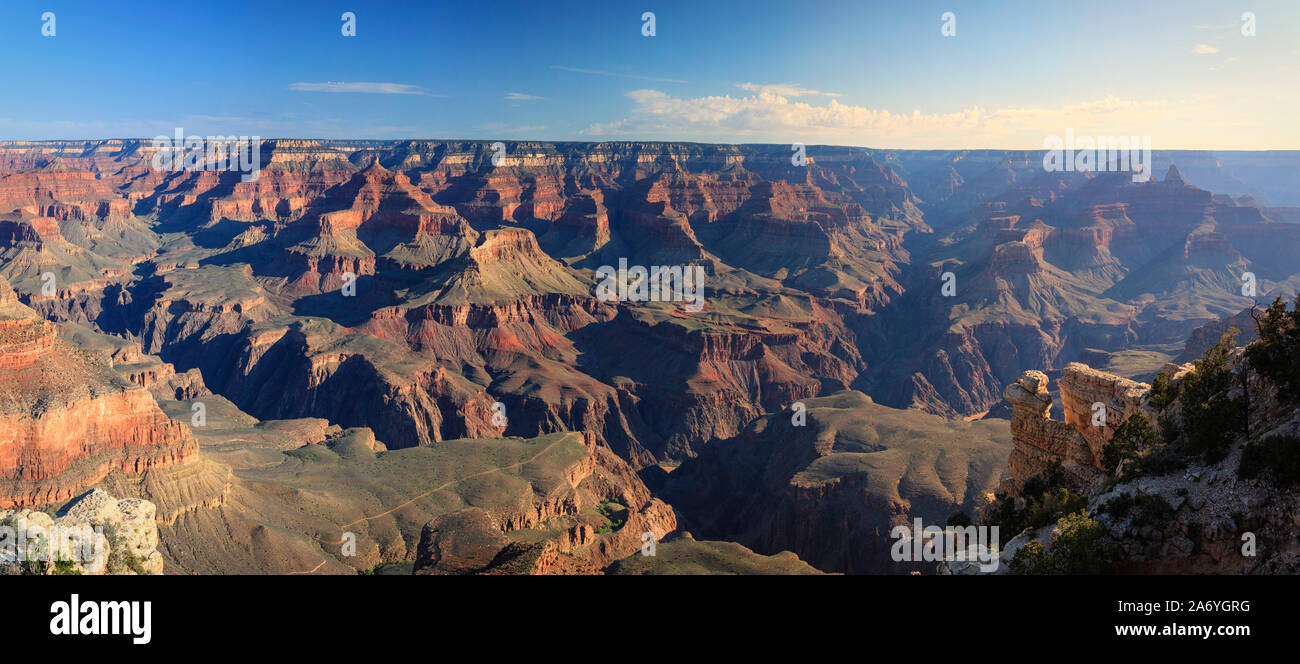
(876, 74)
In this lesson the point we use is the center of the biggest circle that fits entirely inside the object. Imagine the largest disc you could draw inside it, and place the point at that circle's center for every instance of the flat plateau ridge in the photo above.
(348, 322)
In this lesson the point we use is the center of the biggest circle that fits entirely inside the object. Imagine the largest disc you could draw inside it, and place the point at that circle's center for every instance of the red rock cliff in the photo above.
(66, 420)
(1077, 441)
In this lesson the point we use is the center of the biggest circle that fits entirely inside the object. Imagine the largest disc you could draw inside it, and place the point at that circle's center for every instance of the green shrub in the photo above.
(1169, 432)
(65, 567)
(1152, 510)
(1132, 437)
(1276, 355)
(1003, 513)
(1047, 499)
(40, 564)
(1030, 558)
(1079, 547)
(1161, 461)
(1055, 505)
(1211, 419)
(1135, 441)
(1118, 507)
(121, 559)
(1146, 509)
(606, 509)
(1050, 479)
(959, 519)
(1277, 458)
(1162, 392)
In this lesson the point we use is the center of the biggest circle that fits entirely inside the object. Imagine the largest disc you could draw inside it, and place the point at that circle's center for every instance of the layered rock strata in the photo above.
(1094, 404)
(66, 419)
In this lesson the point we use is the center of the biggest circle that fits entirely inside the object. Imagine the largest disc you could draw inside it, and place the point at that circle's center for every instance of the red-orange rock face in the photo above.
(478, 268)
(126, 428)
(65, 420)
(23, 342)
(62, 195)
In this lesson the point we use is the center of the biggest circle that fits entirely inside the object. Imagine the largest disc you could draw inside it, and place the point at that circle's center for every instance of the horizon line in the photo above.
(650, 142)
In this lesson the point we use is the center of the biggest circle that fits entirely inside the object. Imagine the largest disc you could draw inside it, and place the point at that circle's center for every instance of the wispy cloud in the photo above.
(770, 117)
(785, 90)
(598, 72)
(519, 96)
(1204, 49)
(363, 88)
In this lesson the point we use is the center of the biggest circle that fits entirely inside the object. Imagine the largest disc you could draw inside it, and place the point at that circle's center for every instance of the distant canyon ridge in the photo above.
(409, 287)
(476, 282)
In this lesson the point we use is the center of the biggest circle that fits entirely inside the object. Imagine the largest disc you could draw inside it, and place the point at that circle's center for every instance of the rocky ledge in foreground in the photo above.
(1197, 473)
(94, 534)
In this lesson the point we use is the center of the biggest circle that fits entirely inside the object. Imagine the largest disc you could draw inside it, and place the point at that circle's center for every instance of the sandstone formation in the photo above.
(355, 320)
(1094, 404)
(1209, 509)
(494, 306)
(94, 534)
(66, 420)
(304, 496)
(1049, 268)
(484, 271)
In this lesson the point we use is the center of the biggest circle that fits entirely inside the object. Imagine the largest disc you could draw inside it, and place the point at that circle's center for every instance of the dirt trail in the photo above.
(455, 481)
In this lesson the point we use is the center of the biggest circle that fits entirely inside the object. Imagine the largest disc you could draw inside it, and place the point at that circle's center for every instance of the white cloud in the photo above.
(362, 88)
(768, 117)
(1204, 49)
(598, 72)
(519, 96)
(785, 90)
